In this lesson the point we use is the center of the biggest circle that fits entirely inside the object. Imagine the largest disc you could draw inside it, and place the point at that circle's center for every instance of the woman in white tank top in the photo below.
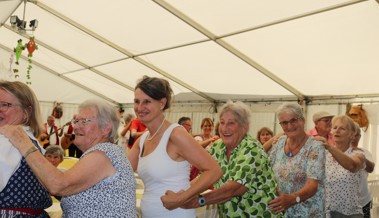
(163, 154)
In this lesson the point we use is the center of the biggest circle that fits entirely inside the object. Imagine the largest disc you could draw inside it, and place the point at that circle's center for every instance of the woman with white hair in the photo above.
(102, 183)
(248, 182)
(299, 165)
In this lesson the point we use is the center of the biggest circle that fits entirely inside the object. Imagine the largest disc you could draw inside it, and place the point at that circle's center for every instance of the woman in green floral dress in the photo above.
(248, 182)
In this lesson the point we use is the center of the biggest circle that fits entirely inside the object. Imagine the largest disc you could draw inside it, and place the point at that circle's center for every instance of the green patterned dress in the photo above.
(248, 165)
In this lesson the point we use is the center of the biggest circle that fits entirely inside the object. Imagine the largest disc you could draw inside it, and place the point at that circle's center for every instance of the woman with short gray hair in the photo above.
(299, 165)
(102, 183)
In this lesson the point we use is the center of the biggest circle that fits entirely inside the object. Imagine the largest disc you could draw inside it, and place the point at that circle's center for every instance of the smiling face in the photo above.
(292, 125)
(147, 108)
(264, 136)
(13, 114)
(87, 130)
(231, 132)
(207, 128)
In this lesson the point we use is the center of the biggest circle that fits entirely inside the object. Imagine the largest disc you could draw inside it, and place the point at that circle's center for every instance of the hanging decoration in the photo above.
(31, 47)
(17, 51)
(58, 110)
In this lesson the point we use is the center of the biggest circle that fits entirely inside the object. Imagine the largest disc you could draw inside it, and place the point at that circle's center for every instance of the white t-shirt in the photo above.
(363, 183)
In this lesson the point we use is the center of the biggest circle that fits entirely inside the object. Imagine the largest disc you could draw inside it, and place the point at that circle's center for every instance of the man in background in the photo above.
(323, 126)
(50, 132)
(186, 122)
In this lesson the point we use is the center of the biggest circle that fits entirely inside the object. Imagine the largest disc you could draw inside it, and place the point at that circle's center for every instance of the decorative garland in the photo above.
(31, 47)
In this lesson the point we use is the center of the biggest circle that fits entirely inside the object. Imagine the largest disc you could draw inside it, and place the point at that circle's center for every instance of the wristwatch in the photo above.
(298, 199)
(201, 200)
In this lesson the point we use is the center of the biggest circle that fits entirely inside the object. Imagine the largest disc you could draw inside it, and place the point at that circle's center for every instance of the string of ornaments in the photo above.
(31, 47)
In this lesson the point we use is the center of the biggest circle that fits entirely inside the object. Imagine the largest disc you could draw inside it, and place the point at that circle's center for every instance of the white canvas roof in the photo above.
(214, 49)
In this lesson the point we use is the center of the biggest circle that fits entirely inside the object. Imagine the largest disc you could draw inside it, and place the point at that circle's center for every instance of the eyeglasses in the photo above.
(291, 121)
(82, 121)
(5, 105)
(326, 120)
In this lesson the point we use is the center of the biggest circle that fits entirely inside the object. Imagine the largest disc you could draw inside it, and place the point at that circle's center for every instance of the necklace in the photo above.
(159, 128)
(290, 152)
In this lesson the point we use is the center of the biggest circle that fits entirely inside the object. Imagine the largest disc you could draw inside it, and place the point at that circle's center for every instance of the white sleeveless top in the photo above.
(160, 173)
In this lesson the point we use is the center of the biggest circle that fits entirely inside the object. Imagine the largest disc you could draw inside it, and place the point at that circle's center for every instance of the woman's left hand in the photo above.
(172, 200)
(281, 203)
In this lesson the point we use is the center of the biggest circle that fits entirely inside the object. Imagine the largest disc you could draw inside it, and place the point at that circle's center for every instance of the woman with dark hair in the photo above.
(163, 154)
(19, 106)
(206, 139)
(264, 134)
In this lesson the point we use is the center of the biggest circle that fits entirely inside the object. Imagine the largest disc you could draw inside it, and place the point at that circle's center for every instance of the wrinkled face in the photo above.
(231, 132)
(86, 129)
(147, 108)
(264, 136)
(187, 125)
(324, 124)
(54, 159)
(291, 124)
(12, 113)
(207, 128)
(341, 133)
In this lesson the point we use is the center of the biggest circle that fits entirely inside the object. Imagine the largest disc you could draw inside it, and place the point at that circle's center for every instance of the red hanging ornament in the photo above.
(31, 46)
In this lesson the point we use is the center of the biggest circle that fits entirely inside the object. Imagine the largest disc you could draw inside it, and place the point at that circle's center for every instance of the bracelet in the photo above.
(29, 151)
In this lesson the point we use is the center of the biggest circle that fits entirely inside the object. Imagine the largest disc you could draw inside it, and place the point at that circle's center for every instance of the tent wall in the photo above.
(262, 115)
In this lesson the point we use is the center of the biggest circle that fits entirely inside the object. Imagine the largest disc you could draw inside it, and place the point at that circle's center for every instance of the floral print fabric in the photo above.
(292, 174)
(248, 165)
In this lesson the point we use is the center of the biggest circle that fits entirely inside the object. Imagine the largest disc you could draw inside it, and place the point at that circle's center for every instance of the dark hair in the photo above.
(207, 120)
(29, 102)
(156, 88)
(264, 129)
(183, 119)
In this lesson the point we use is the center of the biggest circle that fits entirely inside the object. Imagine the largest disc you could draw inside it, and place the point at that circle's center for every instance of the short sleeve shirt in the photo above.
(248, 165)
(292, 174)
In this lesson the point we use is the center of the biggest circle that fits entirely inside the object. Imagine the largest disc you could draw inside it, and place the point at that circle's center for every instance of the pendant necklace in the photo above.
(159, 128)
(290, 152)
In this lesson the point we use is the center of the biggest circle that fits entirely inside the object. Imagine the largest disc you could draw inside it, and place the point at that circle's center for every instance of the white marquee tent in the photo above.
(260, 52)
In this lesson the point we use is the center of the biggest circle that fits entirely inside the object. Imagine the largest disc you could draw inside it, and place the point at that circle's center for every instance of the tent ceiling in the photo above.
(214, 49)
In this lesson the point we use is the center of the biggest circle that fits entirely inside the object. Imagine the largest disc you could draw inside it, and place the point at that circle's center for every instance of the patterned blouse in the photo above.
(112, 197)
(248, 165)
(292, 174)
(342, 187)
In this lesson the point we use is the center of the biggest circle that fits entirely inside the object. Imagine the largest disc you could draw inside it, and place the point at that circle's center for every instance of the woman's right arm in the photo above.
(91, 169)
(268, 145)
(353, 164)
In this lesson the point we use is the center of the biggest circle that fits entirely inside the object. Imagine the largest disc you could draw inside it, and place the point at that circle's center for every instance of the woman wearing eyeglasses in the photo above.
(19, 106)
(102, 183)
(299, 165)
